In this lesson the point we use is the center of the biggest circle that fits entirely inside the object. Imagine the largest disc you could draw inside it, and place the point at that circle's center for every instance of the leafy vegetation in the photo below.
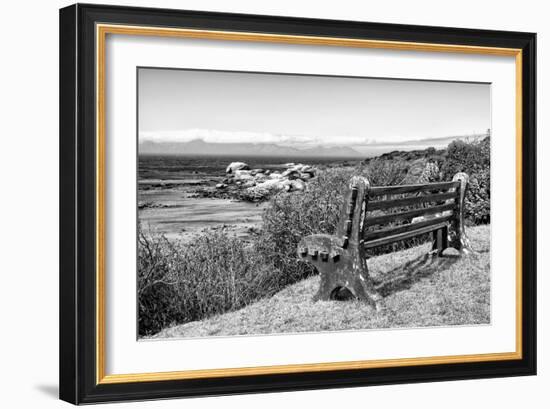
(473, 158)
(180, 283)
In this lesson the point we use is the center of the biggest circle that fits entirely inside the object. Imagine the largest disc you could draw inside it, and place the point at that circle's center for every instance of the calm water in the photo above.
(185, 167)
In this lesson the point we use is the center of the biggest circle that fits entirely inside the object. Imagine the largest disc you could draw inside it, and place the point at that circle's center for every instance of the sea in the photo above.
(172, 167)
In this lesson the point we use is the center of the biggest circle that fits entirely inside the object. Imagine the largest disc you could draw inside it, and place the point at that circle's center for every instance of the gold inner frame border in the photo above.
(102, 30)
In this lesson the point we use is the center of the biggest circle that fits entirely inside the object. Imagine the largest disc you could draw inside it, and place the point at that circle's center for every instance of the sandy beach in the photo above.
(175, 210)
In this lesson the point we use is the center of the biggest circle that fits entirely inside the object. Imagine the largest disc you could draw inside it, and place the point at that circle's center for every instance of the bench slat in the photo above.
(371, 221)
(394, 190)
(406, 201)
(390, 231)
(403, 236)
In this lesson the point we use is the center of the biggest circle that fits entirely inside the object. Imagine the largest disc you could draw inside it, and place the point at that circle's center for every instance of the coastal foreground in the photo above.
(418, 291)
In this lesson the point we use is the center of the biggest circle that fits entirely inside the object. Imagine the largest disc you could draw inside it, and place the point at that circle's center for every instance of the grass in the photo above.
(418, 291)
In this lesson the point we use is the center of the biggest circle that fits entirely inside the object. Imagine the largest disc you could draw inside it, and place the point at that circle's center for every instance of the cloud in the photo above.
(216, 136)
(295, 141)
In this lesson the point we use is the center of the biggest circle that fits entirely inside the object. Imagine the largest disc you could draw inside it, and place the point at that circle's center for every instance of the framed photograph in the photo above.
(258, 203)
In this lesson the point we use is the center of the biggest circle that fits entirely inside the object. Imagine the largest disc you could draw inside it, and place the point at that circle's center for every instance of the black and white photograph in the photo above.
(276, 203)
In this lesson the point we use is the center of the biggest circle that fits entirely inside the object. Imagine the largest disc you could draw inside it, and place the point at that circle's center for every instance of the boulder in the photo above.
(221, 186)
(298, 185)
(249, 183)
(243, 175)
(234, 166)
(271, 184)
(291, 174)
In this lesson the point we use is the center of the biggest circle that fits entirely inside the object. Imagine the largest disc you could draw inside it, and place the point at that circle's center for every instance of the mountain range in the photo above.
(200, 147)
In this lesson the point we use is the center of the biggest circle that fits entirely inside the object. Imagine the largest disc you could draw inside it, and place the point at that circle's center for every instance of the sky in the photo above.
(305, 111)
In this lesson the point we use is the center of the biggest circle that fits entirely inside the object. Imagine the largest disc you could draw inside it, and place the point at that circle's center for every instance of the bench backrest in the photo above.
(367, 210)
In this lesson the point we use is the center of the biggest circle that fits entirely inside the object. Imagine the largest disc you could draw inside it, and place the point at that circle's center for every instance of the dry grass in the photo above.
(418, 291)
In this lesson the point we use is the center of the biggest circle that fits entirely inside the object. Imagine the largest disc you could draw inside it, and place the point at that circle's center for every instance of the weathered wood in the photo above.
(440, 240)
(409, 201)
(340, 260)
(390, 231)
(394, 190)
(457, 236)
(371, 221)
(402, 236)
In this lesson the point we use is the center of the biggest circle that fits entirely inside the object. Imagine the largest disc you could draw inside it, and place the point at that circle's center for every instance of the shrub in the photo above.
(473, 158)
(291, 216)
(156, 284)
(477, 204)
(181, 282)
(382, 172)
(469, 157)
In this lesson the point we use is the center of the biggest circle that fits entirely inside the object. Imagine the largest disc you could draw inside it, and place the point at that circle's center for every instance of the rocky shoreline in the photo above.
(257, 185)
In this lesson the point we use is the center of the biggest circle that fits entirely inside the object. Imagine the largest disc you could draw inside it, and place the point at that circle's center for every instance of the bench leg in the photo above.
(458, 238)
(440, 242)
(350, 272)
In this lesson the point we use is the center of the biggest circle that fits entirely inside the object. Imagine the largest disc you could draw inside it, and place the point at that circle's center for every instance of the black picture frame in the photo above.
(78, 236)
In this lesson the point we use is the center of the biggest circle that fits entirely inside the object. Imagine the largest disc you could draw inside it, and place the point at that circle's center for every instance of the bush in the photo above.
(477, 204)
(181, 282)
(381, 172)
(291, 216)
(473, 158)
(156, 280)
(469, 157)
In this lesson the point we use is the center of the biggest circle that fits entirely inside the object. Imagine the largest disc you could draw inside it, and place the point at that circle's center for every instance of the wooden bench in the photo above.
(411, 210)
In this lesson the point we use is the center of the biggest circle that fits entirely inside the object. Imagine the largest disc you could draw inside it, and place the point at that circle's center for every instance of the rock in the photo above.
(234, 166)
(297, 168)
(249, 183)
(271, 184)
(298, 185)
(243, 175)
(259, 184)
(291, 174)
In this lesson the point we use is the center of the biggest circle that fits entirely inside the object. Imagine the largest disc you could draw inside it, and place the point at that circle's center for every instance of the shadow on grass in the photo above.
(404, 276)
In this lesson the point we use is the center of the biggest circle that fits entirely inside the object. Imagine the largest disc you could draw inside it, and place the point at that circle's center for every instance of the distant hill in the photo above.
(200, 147)
(408, 156)
(429, 153)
